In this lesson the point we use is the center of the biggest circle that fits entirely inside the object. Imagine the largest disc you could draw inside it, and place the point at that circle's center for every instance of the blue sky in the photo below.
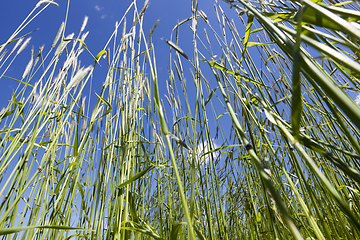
(102, 17)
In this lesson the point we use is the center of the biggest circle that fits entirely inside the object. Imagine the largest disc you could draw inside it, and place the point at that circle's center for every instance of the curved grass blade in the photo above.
(7, 231)
(247, 34)
(141, 228)
(175, 230)
(136, 176)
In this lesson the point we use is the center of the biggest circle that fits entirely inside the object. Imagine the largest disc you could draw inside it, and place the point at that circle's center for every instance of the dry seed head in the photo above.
(83, 36)
(203, 15)
(124, 30)
(146, 5)
(17, 44)
(32, 52)
(217, 14)
(63, 44)
(168, 100)
(39, 55)
(3, 110)
(78, 65)
(116, 28)
(58, 81)
(75, 65)
(34, 94)
(84, 128)
(23, 46)
(95, 114)
(153, 28)
(234, 27)
(3, 54)
(69, 60)
(79, 52)
(84, 23)
(58, 35)
(207, 37)
(83, 104)
(78, 77)
(223, 25)
(28, 68)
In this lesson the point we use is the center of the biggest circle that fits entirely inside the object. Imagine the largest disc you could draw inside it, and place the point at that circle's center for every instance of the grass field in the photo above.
(258, 140)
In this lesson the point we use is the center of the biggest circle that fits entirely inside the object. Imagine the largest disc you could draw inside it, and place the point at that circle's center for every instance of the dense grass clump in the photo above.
(261, 143)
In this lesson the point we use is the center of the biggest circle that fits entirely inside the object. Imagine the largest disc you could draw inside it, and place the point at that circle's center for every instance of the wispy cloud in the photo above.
(101, 10)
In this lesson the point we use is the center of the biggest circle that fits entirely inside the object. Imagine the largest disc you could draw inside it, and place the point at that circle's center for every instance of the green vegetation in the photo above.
(277, 98)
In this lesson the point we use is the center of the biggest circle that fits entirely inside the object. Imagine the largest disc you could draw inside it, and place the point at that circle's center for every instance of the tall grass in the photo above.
(258, 140)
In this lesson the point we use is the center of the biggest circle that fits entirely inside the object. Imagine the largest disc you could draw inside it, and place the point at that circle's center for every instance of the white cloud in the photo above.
(97, 8)
(103, 16)
(357, 99)
(202, 152)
